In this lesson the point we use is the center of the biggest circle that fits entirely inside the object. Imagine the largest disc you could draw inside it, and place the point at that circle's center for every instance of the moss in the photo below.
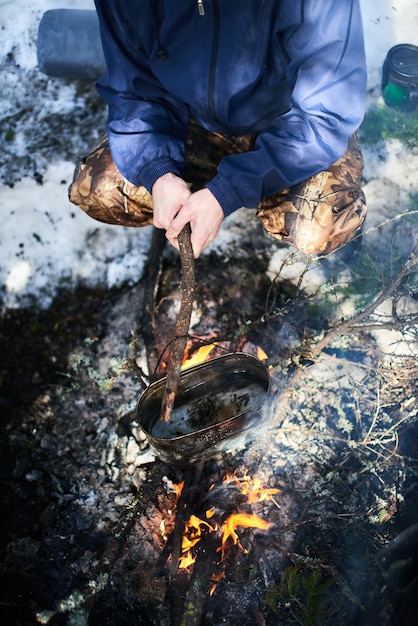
(382, 122)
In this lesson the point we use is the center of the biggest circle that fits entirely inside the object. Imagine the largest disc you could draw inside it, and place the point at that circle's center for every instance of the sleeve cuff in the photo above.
(156, 168)
(226, 194)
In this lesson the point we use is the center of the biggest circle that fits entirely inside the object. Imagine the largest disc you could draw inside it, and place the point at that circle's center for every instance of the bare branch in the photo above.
(182, 324)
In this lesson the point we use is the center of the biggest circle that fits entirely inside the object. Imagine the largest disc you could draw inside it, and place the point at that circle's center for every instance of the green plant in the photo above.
(65, 280)
(301, 594)
(9, 135)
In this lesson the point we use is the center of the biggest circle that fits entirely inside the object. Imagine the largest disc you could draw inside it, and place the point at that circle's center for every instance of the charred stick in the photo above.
(129, 517)
(182, 324)
(181, 515)
(191, 479)
(152, 277)
(197, 592)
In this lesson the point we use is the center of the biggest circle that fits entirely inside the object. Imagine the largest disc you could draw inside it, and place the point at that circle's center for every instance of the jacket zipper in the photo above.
(212, 75)
(200, 7)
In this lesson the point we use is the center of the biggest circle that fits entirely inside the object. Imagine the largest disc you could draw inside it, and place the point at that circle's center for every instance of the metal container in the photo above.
(217, 402)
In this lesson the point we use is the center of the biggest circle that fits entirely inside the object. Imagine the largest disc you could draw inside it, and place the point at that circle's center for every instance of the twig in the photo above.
(351, 323)
(316, 349)
(182, 324)
(375, 416)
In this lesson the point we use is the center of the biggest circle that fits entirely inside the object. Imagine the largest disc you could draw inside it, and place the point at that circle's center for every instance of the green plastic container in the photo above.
(400, 77)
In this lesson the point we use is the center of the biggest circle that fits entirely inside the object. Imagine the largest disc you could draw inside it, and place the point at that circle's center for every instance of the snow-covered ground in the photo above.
(45, 241)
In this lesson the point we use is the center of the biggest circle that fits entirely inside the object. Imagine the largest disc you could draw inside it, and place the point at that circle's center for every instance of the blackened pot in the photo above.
(217, 402)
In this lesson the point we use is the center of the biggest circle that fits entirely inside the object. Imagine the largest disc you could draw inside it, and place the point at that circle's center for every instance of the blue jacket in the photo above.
(291, 71)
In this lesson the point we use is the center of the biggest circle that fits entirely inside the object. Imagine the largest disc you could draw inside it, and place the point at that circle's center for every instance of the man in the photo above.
(220, 104)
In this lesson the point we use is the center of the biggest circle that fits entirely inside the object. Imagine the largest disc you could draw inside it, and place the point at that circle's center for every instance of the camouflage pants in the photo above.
(316, 216)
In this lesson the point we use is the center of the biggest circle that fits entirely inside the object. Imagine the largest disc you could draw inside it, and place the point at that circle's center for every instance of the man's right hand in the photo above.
(169, 194)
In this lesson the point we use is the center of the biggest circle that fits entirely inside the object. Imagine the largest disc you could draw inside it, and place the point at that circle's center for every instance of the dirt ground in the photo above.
(83, 496)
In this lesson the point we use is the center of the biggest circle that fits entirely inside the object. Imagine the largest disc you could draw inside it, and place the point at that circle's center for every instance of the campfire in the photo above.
(225, 525)
(209, 523)
(210, 519)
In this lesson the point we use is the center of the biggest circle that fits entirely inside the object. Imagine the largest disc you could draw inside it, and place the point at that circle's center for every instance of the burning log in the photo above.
(182, 324)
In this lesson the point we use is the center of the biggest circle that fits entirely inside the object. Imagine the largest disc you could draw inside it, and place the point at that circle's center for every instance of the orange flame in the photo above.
(202, 353)
(196, 528)
(199, 356)
(162, 530)
(252, 488)
(178, 489)
(244, 520)
(186, 560)
(255, 491)
(193, 532)
(261, 354)
(215, 578)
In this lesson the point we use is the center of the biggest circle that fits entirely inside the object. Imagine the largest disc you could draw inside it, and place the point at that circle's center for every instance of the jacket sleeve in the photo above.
(327, 71)
(146, 125)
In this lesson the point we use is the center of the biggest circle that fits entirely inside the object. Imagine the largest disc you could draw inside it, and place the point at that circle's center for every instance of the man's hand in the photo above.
(174, 206)
(169, 194)
(205, 215)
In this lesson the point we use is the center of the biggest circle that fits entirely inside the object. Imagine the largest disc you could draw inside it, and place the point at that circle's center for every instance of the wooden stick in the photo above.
(181, 328)
(147, 323)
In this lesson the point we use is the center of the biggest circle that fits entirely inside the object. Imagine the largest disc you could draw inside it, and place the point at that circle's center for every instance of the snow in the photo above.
(46, 242)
